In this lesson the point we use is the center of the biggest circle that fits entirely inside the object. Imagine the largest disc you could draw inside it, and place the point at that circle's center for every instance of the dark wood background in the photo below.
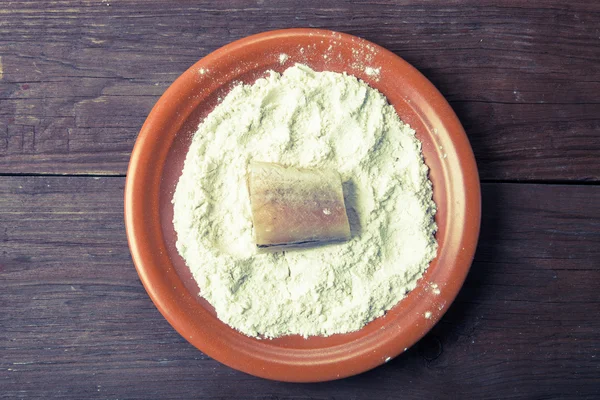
(77, 79)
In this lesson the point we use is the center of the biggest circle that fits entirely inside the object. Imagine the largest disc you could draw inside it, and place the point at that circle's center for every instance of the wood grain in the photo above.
(76, 322)
(77, 79)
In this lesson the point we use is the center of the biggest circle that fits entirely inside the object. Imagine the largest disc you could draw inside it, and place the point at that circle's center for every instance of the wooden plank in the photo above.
(77, 79)
(76, 322)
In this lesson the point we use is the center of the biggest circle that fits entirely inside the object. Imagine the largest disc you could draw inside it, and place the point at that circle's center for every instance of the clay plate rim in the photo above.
(158, 155)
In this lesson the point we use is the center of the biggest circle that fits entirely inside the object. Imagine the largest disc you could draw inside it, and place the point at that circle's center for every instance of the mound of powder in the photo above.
(306, 119)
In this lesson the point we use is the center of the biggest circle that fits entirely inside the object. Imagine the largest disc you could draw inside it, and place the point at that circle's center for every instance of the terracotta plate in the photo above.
(157, 161)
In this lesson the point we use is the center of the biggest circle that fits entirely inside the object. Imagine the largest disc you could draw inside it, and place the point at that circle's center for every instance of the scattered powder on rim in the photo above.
(372, 71)
(316, 120)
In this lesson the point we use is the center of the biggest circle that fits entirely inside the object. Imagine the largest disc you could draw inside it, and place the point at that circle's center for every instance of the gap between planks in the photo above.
(499, 181)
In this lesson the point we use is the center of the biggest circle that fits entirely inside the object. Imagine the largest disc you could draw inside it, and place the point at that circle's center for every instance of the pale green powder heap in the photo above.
(306, 119)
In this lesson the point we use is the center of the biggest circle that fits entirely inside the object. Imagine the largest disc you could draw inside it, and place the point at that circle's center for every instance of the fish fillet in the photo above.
(296, 207)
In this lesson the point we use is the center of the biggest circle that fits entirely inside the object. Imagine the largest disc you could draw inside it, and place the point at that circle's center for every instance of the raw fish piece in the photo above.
(294, 207)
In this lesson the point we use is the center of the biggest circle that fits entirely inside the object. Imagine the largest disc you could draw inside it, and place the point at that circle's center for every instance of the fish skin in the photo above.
(296, 207)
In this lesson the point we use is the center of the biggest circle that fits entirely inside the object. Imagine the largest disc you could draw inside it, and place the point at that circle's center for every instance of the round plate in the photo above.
(157, 162)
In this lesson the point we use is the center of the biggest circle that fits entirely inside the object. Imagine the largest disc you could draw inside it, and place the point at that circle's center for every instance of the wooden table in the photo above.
(78, 78)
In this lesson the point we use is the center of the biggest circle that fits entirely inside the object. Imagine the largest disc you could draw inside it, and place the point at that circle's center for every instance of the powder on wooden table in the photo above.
(306, 119)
